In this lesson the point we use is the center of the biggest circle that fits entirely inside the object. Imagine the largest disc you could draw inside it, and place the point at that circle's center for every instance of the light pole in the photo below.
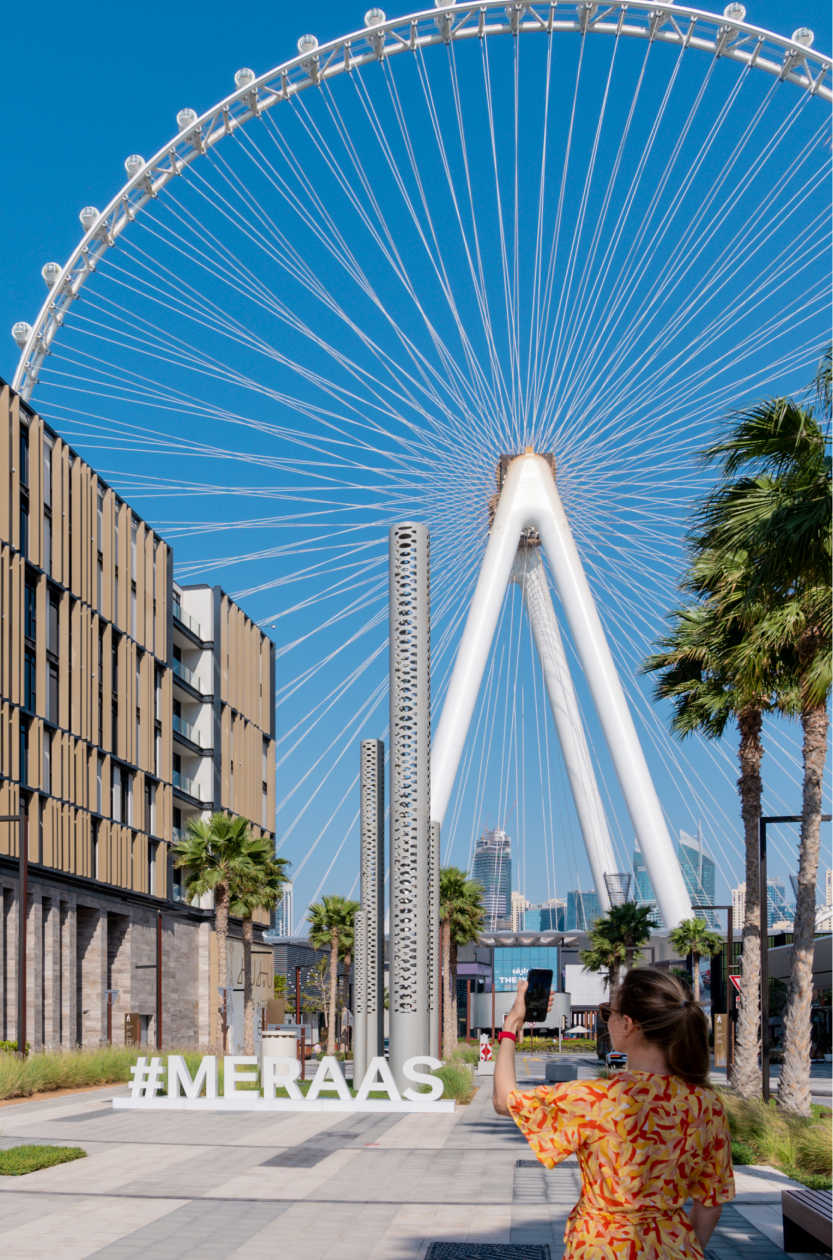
(764, 821)
(111, 994)
(22, 904)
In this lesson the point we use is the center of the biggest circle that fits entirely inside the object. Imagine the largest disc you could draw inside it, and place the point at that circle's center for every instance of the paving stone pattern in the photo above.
(264, 1186)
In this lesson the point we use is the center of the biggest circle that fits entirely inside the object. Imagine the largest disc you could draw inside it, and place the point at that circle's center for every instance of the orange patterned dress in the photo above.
(645, 1143)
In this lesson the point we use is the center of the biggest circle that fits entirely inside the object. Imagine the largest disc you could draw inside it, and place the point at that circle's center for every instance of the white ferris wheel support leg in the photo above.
(529, 499)
(529, 574)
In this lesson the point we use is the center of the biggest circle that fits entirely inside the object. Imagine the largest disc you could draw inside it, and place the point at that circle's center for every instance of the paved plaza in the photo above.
(183, 1185)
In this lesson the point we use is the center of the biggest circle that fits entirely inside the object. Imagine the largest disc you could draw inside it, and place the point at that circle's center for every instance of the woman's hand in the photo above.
(514, 1021)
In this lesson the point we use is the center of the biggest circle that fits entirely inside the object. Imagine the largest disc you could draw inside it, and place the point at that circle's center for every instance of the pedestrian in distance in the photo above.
(648, 1139)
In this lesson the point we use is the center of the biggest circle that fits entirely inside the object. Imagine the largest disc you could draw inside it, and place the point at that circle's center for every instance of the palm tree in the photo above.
(213, 854)
(261, 889)
(603, 955)
(461, 919)
(629, 923)
(713, 675)
(347, 941)
(779, 511)
(695, 937)
(330, 921)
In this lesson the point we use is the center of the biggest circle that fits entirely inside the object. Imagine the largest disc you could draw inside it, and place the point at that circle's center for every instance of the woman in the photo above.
(647, 1139)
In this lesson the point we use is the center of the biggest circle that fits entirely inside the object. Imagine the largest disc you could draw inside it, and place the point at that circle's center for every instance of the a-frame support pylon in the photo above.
(529, 500)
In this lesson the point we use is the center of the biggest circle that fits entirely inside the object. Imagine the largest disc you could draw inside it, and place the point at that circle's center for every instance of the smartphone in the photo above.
(537, 995)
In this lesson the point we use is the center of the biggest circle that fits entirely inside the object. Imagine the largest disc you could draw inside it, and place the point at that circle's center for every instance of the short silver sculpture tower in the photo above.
(410, 733)
(369, 982)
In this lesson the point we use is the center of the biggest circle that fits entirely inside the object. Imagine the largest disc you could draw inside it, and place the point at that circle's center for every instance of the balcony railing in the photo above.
(186, 729)
(185, 784)
(179, 833)
(186, 674)
(190, 622)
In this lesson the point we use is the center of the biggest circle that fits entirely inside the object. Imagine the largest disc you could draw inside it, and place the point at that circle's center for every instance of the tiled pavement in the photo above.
(224, 1186)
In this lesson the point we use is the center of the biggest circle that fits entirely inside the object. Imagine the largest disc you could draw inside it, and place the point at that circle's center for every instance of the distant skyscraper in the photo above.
(698, 872)
(492, 868)
(828, 887)
(583, 909)
(552, 915)
(780, 914)
(520, 905)
(283, 912)
(643, 892)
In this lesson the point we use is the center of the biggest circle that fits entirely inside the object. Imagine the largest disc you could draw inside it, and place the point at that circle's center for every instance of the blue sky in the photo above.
(74, 111)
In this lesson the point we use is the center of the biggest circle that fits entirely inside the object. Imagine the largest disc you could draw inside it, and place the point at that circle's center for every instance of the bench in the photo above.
(808, 1220)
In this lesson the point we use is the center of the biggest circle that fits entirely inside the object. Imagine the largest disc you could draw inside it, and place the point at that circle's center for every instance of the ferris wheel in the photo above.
(344, 295)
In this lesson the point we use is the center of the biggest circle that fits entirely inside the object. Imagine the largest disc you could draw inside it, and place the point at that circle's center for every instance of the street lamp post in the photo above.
(765, 820)
(23, 899)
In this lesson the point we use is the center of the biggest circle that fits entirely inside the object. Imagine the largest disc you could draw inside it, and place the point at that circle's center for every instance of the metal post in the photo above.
(493, 1003)
(159, 980)
(730, 998)
(109, 1019)
(410, 727)
(764, 961)
(298, 996)
(303, 1053)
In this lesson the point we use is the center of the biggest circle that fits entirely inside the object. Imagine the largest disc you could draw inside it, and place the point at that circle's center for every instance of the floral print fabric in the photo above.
(645, 1144)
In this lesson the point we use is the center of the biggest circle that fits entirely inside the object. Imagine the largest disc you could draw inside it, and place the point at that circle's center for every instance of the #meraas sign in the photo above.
(241, 1092)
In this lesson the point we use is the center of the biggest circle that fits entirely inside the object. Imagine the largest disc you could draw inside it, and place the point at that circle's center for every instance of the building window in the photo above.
(24, 529)
(133, 609)
(52, 643)
(47, 470)
(134, 529)
(95, 868)
(150, 807)
(115, 792)
(157, 753)
(127, 782)
(30, 611)
(47, 761)
(99, 519)
(29, 674)
(152, 867)
(265, 822)
(24, 752)
(52, 693)
(24, 455)
(99, 779)
(100, 588)
(47, 543)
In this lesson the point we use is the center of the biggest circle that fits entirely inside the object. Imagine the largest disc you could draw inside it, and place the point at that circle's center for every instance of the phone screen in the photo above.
(537, 995)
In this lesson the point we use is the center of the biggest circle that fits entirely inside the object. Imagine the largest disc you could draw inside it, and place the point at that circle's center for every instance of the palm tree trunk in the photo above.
(248, 994)
(221, 928)
(629, 953)
(746, 1076)
(794, 1085)
(449, 1039)
(331, 1017)
(695, 975)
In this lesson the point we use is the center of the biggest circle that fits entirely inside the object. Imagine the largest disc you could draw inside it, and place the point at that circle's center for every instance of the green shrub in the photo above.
(457, 1082)
(798, 1145)
(74, 1069)
(743, 1153)
(25, 1159)
(466, 1053)
(10, 1047)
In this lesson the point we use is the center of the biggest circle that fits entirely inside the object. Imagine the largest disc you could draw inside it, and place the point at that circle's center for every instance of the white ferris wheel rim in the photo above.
(659, 21)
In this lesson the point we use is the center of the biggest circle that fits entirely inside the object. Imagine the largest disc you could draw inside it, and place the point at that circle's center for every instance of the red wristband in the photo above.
(507, 1035)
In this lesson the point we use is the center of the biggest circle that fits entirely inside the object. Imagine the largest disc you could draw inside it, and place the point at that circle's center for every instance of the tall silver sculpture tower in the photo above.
(410, 733)
(369, 981)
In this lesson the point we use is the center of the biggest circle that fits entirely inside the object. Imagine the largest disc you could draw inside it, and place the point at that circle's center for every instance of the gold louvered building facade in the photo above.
(127, 705)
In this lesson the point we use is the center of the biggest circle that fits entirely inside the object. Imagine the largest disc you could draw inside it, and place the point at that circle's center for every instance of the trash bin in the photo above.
(280, 1041)
(556, 1072)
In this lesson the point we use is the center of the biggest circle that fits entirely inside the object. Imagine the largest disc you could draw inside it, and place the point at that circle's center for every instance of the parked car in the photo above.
(616, 1061)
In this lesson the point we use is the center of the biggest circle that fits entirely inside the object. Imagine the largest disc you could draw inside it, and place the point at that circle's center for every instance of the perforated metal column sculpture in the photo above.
(410, 726)
(360, 1058)
(372, 786)
(434, 980)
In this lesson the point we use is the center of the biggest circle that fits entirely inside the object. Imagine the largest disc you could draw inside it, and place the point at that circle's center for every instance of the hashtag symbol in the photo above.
(147, 1078)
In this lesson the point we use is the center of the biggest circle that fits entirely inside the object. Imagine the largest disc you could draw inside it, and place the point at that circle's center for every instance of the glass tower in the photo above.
(492, 869)
(583, 909)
